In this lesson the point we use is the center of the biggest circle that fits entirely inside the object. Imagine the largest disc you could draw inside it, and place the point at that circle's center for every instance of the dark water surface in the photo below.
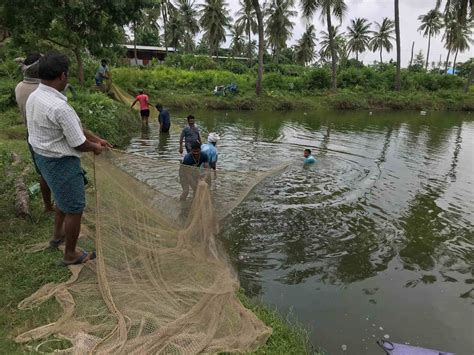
(375, 240)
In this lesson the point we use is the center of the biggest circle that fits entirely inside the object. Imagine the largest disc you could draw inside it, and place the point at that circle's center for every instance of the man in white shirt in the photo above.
(57, 138)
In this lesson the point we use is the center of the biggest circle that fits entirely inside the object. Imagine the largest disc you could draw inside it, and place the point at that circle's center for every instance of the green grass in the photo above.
(288, 337)
(21, 273)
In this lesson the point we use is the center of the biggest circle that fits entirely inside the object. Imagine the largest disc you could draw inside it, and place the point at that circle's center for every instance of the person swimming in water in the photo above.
(308, 158)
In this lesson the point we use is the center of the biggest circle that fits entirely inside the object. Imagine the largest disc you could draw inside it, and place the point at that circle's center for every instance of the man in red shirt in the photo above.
(142, 98)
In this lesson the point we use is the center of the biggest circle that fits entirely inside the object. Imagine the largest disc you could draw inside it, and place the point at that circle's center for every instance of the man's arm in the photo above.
(134, 102)
(96, 139)
(89, 146)
(181, 142)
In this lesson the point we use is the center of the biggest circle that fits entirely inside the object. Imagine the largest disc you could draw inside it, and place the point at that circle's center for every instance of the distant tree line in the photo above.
(91, 26)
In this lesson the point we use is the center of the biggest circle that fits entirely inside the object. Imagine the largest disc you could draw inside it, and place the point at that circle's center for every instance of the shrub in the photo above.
(105, 117)
(318, 79)
(234, 66)
(7, 93)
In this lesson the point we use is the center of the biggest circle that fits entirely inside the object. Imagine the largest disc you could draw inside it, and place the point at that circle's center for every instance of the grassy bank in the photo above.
(22, 273)
(365, 88)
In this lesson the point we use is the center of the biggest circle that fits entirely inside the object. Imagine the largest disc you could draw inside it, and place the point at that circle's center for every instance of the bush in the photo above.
(234, 66)
(318, 79)
(106, 117)
(7, 93)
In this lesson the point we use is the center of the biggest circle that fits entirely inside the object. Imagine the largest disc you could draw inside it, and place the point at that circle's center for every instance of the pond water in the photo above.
(375, 240)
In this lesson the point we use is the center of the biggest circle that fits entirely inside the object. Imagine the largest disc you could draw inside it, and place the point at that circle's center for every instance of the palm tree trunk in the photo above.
(165, 20)
(447, 60)
(135, 44)
(333, 50)
(399, 54)
(412, 50)
(469, 80)
(261, 47)
(381, 61)
(357, 55)
(428, 51)
(249, 31)
(454, 63)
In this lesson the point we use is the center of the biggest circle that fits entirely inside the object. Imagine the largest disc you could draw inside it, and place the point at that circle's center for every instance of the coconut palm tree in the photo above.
(359, 36)
(461, 10)
(237, 44)
(261, 46)
(305, 49)
(431, 24)
(279, 25)
(383, 36)
(327, 8)
(174, 34)
(340, 45)
(246, 20)
(188, 14)
(214, 21)
(397, 85)
(458, 38)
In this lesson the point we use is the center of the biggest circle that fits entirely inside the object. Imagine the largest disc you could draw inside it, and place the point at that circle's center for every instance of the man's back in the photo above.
(211, 151)
(22, 91)
(143, 100)
(53, 126)
(164, 118)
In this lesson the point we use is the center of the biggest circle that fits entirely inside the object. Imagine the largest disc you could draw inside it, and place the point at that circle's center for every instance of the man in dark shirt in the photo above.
(189, 135)
(163, 119)
(188, 174)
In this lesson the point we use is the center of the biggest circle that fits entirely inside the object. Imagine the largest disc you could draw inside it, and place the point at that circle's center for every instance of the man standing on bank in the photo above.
(23, 90)
(189, 135)
(57, 138)
(142, 98)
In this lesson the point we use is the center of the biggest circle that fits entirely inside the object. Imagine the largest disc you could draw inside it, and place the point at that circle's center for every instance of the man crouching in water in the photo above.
(189, 176)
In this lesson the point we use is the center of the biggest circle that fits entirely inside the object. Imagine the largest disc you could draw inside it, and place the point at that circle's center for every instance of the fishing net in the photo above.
(161, 283)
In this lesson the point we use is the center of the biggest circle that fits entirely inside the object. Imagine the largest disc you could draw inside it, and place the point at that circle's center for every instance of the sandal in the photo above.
(82, 259)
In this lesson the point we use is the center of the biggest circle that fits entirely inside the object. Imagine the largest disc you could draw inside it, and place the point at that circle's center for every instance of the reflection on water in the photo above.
(376, 239)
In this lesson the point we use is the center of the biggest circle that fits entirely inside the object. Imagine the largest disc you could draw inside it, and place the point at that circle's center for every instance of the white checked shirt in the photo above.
(54, 127)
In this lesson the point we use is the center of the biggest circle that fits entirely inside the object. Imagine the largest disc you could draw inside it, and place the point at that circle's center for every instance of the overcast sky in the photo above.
(376, 10)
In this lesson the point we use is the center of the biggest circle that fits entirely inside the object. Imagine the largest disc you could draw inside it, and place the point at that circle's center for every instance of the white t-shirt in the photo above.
(54, 127)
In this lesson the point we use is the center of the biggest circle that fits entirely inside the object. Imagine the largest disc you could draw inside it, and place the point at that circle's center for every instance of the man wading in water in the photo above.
(189, 176)
(189, 134)
(57, 139)
(144, 110)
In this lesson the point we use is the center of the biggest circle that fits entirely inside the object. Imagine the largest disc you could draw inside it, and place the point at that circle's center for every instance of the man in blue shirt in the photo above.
(102, 73)
(188, 174)
(163, 119)
(211, 150)
(308, 158)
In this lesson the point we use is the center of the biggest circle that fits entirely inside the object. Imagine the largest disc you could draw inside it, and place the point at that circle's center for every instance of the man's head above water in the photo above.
(307, 153)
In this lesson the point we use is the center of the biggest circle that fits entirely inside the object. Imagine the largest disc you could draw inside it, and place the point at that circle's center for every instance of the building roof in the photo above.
(149, 48)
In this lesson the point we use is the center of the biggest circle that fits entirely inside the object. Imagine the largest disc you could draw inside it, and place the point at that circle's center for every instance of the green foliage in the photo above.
(7, 93)
(318, 79)
(237, 67)
(105, 117)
